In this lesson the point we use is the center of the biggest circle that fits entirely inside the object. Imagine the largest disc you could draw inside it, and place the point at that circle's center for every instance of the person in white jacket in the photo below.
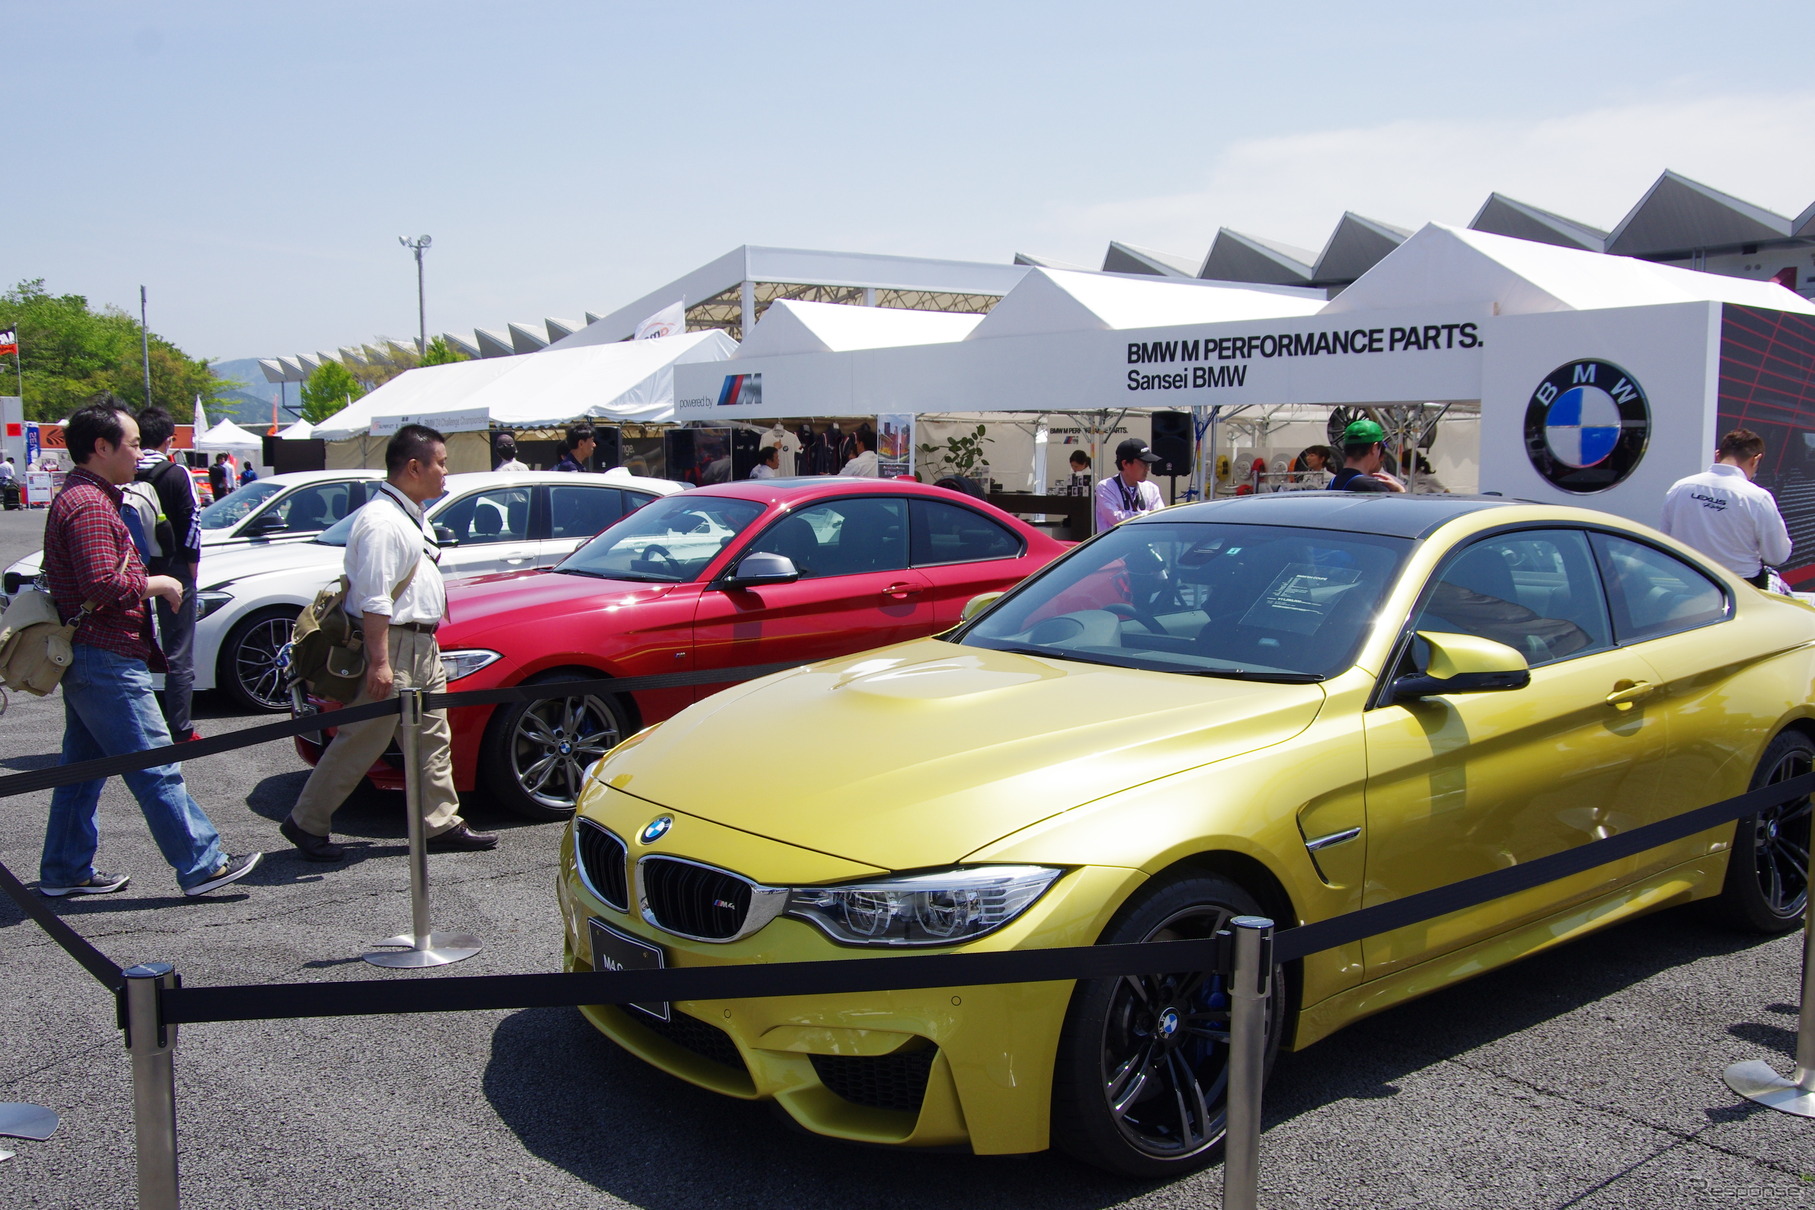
(1726, 516)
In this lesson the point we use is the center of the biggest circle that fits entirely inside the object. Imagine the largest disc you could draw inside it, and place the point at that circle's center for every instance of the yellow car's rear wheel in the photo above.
(1767, 885)
(1141, 1079)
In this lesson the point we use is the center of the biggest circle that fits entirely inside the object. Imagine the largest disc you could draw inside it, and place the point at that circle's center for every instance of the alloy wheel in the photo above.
(256, 662)
(1781, 842)
(555, 741)
(1165, 1049)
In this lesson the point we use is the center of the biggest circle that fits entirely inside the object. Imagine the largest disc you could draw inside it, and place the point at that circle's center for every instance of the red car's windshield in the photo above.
(667, 541)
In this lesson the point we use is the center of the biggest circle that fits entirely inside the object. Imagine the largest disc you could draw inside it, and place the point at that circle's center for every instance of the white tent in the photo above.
(229, 436)
(1054, 300)
(625, 381)
(302, 430)
(1597, 379)
(809, 327)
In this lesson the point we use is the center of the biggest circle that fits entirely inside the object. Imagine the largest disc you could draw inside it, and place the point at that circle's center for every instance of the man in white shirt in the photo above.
(864, 465)
(766, 463)
(398, 592)
(1128, 493)
(1726, 516)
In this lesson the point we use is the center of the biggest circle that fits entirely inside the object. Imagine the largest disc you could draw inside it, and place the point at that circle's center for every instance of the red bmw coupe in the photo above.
(760, 572)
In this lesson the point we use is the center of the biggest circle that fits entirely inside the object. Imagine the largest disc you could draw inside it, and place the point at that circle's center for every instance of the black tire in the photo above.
(1110, 1047)
(248, 668)
(1767, 887)
(537, 753)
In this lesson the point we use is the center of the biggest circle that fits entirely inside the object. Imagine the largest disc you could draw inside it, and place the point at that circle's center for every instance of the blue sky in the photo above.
(253, 164)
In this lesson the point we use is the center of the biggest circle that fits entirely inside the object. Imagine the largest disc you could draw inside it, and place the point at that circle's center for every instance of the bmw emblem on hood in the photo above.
(655, 829)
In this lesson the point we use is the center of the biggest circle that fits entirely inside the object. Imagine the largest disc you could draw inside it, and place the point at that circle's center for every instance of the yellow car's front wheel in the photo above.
(1141, 1079)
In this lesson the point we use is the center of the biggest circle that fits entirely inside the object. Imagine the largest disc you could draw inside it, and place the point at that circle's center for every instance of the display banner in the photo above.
(1358, 357)
(895, 445)
(454, 420)
(1603, 409)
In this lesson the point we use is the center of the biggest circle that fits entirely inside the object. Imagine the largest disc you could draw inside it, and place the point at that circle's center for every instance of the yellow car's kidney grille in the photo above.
(896, 1081)
(693, 900)
(602, 863)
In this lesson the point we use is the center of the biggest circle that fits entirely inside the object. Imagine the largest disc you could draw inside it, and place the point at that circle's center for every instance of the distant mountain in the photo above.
(250, 404)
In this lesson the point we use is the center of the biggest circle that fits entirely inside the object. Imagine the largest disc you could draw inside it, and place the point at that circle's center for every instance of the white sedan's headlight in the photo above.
(941, 908)
(467, 662)
(210, 601)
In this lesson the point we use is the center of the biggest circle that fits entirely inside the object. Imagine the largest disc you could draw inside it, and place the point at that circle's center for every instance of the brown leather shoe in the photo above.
(313, 847)
(462, 839)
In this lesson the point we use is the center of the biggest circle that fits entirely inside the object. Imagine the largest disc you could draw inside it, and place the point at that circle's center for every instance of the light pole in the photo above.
(422, 315)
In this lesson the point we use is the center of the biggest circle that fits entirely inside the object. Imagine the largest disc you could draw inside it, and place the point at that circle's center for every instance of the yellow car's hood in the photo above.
(919, 754)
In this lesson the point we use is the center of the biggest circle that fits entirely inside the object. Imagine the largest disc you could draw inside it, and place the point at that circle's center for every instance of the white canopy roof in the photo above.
(228, 436)
(811, 327)
(1446, 265)
(627, 380)
(1054, 300)
(299, 431)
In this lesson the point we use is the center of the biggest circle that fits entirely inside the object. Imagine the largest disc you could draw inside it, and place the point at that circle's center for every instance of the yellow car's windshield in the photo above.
(1258, 602)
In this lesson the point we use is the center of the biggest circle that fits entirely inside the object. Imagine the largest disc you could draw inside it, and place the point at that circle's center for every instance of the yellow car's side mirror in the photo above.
(1463, 663)
(978, 604)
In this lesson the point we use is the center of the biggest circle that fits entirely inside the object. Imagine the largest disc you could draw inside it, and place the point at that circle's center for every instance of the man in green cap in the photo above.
(1363, 450)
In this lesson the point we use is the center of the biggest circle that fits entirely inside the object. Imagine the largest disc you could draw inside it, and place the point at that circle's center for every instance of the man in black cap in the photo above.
(1127, 493)
(504, 449)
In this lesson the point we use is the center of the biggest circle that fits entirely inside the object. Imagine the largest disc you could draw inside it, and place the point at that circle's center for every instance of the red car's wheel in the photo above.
(537, 753)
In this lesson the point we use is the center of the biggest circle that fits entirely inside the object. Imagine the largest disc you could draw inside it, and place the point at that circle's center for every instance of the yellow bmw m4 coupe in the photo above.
(1294, 705)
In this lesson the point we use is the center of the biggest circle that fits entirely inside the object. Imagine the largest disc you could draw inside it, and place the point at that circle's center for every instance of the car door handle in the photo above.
(898, 591)
(1628, 692)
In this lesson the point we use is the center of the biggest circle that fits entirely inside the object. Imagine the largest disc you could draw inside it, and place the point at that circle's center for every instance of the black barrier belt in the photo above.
(627, 684)
(1307, 939)
(369, 997)
(74, 944)
(109, 766)
(365, 997)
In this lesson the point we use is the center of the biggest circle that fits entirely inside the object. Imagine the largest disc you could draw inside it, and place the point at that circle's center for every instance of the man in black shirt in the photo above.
(1363, 451)
(179, 538)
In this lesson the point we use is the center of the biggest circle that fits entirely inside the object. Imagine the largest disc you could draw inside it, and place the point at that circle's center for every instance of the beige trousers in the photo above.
(415, 663)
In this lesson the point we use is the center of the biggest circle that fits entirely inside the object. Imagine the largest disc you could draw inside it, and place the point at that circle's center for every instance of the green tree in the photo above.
(330, 388)
(69, 351)
(441, 353)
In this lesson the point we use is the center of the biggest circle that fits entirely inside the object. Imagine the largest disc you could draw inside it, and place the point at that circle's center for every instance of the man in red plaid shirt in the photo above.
(108, 707)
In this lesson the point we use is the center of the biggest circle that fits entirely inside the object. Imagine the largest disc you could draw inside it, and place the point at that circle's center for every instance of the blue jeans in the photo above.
(109, 710)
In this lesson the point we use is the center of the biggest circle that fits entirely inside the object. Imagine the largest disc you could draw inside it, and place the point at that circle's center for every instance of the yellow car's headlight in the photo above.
(939, 908)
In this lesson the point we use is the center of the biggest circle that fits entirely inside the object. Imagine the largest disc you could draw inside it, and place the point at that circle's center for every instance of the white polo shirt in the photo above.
(1727, 517)
(390, 536)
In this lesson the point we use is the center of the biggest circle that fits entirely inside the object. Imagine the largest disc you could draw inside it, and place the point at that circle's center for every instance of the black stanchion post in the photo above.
(1757, 1080)
(1251, 985)
(420, 946)
(152, 1045)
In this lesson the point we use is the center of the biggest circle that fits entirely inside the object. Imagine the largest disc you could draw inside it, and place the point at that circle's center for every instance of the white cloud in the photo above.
(1592, 167)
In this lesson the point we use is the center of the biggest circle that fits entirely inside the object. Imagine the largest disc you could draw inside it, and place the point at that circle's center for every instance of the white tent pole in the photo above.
(746, 314)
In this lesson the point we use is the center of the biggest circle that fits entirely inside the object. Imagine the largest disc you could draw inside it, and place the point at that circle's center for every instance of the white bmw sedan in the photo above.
(488, 522)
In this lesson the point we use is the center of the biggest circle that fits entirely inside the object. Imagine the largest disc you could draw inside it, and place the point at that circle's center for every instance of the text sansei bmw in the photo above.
(1293, 705)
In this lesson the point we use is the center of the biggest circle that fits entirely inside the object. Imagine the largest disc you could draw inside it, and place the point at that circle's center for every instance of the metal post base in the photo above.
(436, 949)
(22, 1121)
(1757, 1081)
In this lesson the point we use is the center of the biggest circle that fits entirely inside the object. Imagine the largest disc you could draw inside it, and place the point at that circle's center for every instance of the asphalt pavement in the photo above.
(1586, 1077)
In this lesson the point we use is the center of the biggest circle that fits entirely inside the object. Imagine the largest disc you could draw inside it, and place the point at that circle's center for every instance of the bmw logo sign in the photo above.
(1586, 426)
(655, 829)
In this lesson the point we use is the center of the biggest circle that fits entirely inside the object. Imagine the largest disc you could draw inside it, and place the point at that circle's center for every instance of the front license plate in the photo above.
(615, 951)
